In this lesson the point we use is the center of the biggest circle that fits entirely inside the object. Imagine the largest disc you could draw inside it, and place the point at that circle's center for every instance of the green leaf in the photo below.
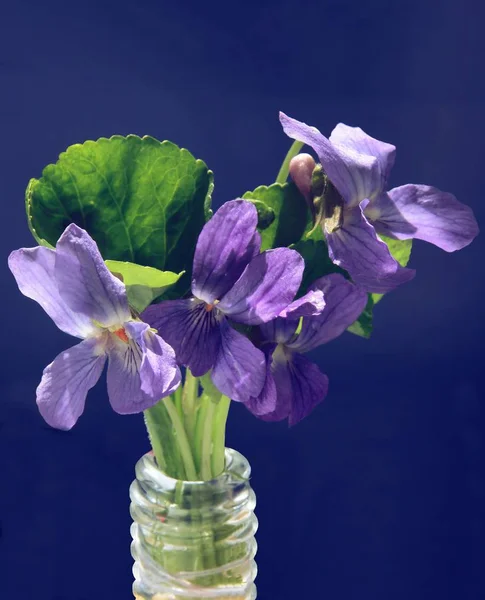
(400, 250)
(266, 214)
(142, 200)
(282, 214)
(143, 284)
(363, 325)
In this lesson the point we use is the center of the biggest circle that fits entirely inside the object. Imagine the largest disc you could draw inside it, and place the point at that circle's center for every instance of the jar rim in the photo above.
(237, 470)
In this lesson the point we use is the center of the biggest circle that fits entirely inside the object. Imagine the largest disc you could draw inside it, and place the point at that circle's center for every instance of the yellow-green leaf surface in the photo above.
(143, 284)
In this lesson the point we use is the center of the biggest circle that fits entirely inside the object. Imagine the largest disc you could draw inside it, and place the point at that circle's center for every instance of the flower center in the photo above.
(372, 213)
(281, 354)
(121, 334)
(210, 307)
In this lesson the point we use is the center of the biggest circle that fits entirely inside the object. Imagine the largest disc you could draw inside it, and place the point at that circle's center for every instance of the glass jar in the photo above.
(193, 539)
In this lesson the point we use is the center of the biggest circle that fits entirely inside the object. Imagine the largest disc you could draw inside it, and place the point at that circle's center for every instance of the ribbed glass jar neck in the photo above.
(193, 539)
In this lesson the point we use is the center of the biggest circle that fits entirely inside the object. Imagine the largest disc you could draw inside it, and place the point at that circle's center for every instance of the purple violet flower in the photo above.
(76, 289)
(294, 384)
(231, 279)
(358, 166)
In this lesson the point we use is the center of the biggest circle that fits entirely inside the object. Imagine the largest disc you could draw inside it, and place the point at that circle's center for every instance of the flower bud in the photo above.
(301, 169)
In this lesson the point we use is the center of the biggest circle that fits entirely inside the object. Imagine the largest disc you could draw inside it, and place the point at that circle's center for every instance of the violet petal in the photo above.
(356, 248)
(191, 330)
(85, 282)
(309, 386)
(61, 394)
(354, 174)
(353, 140)
(34, 271)
(159, 373)
(127, 393)
(225, 246)
(240, 369)
(280, 370)
(426, 213)
(266, 287)
(265, 403)
(311, 304)
(344, 303)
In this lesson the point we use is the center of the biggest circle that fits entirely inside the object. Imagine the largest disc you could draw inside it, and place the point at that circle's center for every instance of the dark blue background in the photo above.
(381, 493)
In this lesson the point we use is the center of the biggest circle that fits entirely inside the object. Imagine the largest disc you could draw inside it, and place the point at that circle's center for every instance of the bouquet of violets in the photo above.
(192, 309)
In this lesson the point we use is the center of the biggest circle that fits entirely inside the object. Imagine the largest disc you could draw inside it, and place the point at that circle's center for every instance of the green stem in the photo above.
(162, 438)
(219, 435)
(189, 403)
(177, 400)
(199, 430)
(285, 167)
(155, 441)
(205, 467)
(183, 442)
